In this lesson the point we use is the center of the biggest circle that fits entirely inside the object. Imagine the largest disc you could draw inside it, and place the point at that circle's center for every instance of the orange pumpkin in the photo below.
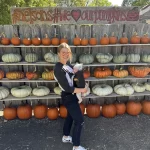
(146, 107)
(144, 39)
(36, 41)
(52, 113)
(113, 39)
(133, 108)
(93, 110)
(55, 40)
(139, 71)
(15, 40)
(135, 39)
(63, 111)
(4, 39)
(10, 113)
(102, 72)
(93, 41)
(76, 41)
(1, 74)
(123, 39)
(33, 75)
(46, 40)
(64, 40)
(120, 73)
(82, 107)
(24, 112)
(15, 75)
(104, 40)
(86, 73)
(40, 111)
(120, 108)
(109, 111)
(48, 75)
(26, 41)
(84, 42)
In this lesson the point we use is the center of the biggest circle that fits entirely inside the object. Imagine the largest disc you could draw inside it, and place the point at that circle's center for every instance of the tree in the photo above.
(100, 3)
(140, 3)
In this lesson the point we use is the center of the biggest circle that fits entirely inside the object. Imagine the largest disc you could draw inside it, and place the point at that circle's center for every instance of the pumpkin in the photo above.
(133, 108)
(144, 39)
(82, 107)
(1, 74)
(57, 90)
(24, 112)
(120, 58)
(145, 58)
(133, 58)
(104, 58)
(11, 58)
(147, 86)
(124, 89)
(4, 39)
(102, 89)
(13, 75)
(46, 40)
(138, 87)
(40, 111)
(76, 41)
(120, 108)
(138, 71)
(135, 39)
(52, 113)
(123, 39)
(113, 39)
(86, 58)
(109, 110)
(104, 40)
(64, 40)
(33, 75)
(41, 91)
(26, 41)
(63, 111)
(86, 73)
(93, 110)
(36, 41)
(10, 113)
(15, 40)
(48, 75)
(84, 42)
(146, 107)
(4, 92)
(55, 40)
(21, 91)
(102, 72)
(120, 73)
(93, 41)
(51, 57)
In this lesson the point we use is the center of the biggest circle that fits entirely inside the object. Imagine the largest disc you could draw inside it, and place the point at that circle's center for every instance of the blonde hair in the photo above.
(65, 45)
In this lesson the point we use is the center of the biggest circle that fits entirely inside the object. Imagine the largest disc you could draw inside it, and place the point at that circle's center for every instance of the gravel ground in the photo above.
(120, 133)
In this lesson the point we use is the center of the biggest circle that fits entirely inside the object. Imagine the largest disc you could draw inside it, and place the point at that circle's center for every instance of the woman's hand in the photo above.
(84, 90)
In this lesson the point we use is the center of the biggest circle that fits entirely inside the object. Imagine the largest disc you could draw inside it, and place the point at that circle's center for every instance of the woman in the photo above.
(63, 73)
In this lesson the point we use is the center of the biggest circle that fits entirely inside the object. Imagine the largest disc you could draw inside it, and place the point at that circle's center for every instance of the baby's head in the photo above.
(77, 67)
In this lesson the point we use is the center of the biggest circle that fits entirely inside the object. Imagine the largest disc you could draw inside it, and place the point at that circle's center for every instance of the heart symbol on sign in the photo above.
(76, 14)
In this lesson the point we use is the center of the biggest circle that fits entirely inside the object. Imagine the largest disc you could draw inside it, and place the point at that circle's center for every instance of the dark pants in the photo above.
(70, 101)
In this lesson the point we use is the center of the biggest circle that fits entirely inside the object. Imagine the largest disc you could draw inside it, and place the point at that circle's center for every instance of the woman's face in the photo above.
(64, 54)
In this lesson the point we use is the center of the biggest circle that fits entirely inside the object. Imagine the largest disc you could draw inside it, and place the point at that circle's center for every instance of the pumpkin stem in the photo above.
(113, 34)
(34, 69)
(46, 70)
(134, 33)
(105, 35)
(3, 35)
(46, 36)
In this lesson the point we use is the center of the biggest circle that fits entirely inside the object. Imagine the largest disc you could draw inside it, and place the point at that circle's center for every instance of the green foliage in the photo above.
(96, 3)
(140, 3)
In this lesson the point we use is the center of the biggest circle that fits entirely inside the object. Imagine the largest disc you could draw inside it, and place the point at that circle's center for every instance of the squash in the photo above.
(93, 110)
(102, 72)
(36, 41)
(102, 89)
(145, 58)
(4, 92)
(144, 39)
(76, 41)
(10, 113)
(104, 40)
(41, 91)
(124, 89)
(48, 75)
(84, 42)
(86, 58)
(63, 111)
(86, 73)
(11, 58)
(133, 58)
(82, 107)
(135, 39)
(1, 74)
(64, 40)
(120, 108)
(55, 40)
(104, 58)
(51, 57)
(120, 73)
(31, 57)
(21, 91)
(33, 75)
(46, 40)
(119, 58)
(113, 39)
(146, 107)
(52, 113)
(15, 40)
(13, 75)
(4, 39)
(147, 86)
(138, 87)
(123, 39)
(57, 90)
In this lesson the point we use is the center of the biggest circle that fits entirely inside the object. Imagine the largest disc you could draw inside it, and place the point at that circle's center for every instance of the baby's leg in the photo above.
(79, 97)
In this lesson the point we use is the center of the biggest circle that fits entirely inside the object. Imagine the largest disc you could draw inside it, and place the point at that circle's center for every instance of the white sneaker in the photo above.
(67, 139)
(79, 148)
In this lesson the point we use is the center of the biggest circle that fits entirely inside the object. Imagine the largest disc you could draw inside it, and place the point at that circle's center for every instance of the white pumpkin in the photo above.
(145, 58)
(133, 58)
(4, 92)
(57, 90)
(102, 89)
(41, 91)
(11, 58)
(31, 57)
(124, 89)
(51, 57)
(138, 87)
(21, 91)
(104, 58)
(121, 58)
(86, 58)
(147, 86)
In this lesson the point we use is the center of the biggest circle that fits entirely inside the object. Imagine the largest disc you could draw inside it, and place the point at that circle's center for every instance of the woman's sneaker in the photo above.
(67, 139)
(79, 148)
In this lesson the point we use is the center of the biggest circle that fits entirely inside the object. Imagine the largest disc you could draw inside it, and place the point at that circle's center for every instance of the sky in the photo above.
(116, 2)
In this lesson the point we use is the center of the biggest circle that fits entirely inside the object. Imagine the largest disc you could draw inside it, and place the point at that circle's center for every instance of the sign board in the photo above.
(74, 15)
